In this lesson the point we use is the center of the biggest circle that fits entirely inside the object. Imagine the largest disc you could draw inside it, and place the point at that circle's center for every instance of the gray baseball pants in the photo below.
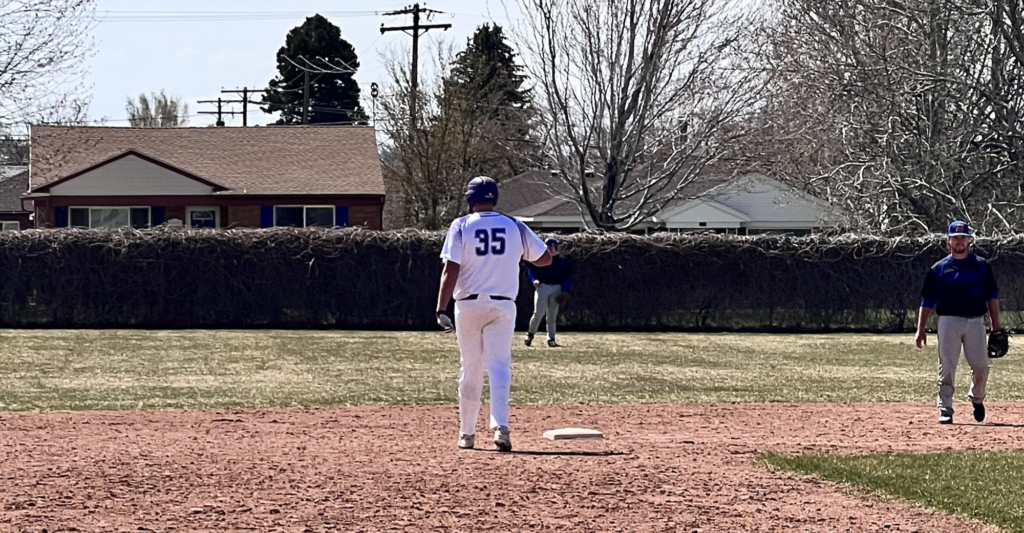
(967, 333)
(544, 304)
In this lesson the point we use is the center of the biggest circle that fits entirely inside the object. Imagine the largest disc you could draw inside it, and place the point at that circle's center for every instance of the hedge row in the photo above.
(360, 279)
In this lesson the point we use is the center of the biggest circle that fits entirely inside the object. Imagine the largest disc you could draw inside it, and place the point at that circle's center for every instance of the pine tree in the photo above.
(486, 74)
(332, 97)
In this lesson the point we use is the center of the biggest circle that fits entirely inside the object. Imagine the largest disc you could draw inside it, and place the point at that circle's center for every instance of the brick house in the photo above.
(255, 177)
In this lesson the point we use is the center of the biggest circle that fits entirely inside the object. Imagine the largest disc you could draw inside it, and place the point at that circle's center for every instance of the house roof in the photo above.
(255, 160)
(131, 152)
(12, 186)
(538, 193)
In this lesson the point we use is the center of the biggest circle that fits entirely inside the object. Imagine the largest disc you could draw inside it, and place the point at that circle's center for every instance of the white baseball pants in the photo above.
(544, 304)
(968, 333)
(485, 329)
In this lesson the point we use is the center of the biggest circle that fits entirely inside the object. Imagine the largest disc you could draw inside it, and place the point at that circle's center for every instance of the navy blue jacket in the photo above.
(959, 287)
(559, 272)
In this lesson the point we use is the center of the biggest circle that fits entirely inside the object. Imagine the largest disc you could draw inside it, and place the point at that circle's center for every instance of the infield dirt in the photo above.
(659, 468)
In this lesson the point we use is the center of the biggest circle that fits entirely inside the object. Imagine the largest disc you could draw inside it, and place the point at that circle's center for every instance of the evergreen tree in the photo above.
(486, 74)
(332, 97)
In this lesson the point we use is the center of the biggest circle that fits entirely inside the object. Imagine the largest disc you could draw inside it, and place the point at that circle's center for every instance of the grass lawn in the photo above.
(986, 486)
(87, 369)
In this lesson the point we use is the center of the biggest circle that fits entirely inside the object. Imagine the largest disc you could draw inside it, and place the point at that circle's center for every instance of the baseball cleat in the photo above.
(466, 441)
(529, 340)
(979, 412)
(553, 344)
(945, 417)
(502, 441)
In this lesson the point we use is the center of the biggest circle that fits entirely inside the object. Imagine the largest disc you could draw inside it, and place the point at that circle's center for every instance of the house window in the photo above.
(298, 216)
(110, 217)
(203, 217)
(10, 226)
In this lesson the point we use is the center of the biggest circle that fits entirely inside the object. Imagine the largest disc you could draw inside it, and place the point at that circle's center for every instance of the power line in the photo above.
(416, 28)
(244, 91)
(219, 112)
(221, 16)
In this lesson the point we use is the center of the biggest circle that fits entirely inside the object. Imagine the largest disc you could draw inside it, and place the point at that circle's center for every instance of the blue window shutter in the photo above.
(157, 215)
(267, 216)
(60, 217)
(341, 215)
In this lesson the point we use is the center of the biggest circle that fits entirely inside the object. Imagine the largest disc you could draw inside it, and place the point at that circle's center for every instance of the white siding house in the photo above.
(746, 205)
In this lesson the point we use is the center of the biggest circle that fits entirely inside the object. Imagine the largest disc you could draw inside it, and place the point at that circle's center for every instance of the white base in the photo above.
(573, 433)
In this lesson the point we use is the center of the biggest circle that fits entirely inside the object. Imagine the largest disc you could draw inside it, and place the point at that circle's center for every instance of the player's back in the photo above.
(491, 246)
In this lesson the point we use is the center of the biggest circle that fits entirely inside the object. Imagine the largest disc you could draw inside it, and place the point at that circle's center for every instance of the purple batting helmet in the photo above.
(481, 190)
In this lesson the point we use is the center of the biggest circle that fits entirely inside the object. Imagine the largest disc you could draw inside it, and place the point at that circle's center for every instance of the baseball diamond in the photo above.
(302, 431)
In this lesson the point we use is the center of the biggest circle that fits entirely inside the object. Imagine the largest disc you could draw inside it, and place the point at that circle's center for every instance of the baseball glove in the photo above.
(998, 344)
(562, 298)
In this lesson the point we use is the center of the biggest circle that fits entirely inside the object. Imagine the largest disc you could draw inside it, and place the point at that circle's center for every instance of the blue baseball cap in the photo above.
(481, 190)
(959, 229)
(551, 242)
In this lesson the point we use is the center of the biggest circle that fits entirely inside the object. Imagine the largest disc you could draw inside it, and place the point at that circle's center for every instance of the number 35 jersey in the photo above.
(488, 246)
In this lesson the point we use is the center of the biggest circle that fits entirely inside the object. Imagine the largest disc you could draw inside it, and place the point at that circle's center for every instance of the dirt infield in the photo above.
(661, 468)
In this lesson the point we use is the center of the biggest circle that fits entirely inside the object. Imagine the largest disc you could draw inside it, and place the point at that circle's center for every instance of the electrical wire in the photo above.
(221, 16)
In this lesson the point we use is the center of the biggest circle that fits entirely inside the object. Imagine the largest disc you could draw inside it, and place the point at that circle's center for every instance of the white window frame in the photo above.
(216, 214)
(149, 209)
(6, 225)
(334, 213)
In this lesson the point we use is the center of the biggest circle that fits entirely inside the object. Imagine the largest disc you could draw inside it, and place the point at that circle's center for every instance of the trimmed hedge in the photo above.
(361, 279)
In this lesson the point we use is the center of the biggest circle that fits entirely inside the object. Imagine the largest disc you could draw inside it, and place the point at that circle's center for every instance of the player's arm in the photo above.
(534, 249)
(992, 294)
(929, 295)
(449, 276)
(451, 253)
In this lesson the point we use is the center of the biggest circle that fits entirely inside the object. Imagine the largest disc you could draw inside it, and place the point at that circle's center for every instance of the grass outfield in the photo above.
(986, 486)
(85, 369)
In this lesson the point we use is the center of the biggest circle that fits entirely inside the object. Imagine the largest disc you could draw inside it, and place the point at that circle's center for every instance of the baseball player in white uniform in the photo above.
(481, 270)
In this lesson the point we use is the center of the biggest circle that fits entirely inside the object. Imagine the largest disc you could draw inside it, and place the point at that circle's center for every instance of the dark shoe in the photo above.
(502, 440)
(979, 412)
(529, 339)
(552, 343)
(945, 417)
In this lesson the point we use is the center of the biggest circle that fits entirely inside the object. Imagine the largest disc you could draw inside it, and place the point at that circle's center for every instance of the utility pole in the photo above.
(311, 67)
(416, 28)
(219, 112)
(305, 97)
(244, 91)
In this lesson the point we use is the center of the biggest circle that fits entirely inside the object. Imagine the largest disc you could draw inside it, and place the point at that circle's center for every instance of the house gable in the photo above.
(771, 204)
(697, 212)
(130, 173)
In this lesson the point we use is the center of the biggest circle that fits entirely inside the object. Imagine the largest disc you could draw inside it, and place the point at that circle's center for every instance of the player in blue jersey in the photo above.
(481, 256)
(960, 289)
(552, 283)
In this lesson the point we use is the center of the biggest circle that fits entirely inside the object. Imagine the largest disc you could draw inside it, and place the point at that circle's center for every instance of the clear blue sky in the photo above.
(194, 48)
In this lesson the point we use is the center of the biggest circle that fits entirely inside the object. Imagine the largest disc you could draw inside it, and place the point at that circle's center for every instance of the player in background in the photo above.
(552, 283)
(961, 288)
(481, 256)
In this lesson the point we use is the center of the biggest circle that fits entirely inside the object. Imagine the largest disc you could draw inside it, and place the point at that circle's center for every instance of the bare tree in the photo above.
(156, 111)
(637, 97)
(43, 47)
(901, 113)
(458, 136)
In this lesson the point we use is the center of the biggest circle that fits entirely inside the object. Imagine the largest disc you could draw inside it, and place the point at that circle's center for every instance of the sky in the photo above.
(197, 48)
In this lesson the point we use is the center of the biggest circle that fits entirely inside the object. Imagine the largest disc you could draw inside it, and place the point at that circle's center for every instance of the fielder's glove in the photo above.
(562, 298)
(445, 322)
(998, 343)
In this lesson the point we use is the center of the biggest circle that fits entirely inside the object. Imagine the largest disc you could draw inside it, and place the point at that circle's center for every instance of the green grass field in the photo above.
(73, 370)
(986, 486)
